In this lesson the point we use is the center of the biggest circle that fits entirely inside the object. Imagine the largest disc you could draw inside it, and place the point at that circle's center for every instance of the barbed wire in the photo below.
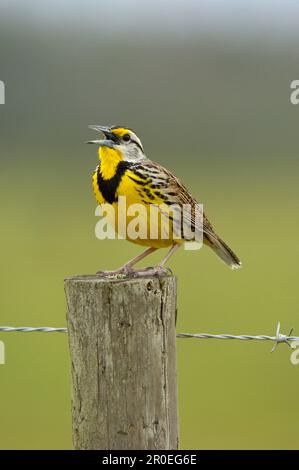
(278, 338)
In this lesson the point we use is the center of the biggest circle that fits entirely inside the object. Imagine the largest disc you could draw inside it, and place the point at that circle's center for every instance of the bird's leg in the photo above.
(127, 268)
(159, 269)
(172, 250)
(138, 258)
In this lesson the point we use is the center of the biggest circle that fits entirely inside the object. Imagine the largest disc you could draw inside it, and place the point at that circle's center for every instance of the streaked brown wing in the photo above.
(174, 192)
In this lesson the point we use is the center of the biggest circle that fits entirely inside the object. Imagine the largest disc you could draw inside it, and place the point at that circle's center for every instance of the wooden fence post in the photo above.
(123, 361)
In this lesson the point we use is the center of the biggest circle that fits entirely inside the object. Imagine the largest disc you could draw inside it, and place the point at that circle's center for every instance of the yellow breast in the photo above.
(136, 216)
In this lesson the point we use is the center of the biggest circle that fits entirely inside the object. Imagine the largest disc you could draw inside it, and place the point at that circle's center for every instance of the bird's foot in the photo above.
(128, 271)
(122, 272)
(155, 271)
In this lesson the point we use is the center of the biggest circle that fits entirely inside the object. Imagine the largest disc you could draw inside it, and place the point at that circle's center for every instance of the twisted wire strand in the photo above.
(240, 337)
(278, 338)
(29, 329)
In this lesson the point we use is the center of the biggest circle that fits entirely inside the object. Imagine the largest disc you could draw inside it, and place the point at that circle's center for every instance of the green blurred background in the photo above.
(206, 85)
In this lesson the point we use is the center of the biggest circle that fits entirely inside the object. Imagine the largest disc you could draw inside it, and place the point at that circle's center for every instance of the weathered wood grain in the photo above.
(123, 362)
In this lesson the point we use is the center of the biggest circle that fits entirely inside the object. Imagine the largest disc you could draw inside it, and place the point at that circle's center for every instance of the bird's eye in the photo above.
(126, 138)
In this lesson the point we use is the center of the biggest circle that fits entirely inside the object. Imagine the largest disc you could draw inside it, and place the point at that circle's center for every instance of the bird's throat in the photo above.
(109, 160)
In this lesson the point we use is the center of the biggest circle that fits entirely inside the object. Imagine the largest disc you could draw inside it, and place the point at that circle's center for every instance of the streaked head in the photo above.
(122, 139)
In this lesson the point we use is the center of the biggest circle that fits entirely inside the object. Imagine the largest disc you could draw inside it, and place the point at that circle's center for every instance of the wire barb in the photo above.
(280, 338)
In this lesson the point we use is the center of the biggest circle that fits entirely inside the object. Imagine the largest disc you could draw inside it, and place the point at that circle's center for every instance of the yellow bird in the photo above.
(124, 170)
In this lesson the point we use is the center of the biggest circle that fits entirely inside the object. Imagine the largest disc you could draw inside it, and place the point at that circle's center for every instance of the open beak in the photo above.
(110, 139)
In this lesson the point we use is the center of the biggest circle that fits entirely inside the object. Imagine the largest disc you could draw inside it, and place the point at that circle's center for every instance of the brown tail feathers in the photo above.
(222, 250)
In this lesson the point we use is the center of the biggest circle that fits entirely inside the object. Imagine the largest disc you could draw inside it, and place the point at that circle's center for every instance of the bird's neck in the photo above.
(109, 160)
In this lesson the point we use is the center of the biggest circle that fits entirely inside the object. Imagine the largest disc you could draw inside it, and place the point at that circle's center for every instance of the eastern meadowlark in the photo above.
(124, 170)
